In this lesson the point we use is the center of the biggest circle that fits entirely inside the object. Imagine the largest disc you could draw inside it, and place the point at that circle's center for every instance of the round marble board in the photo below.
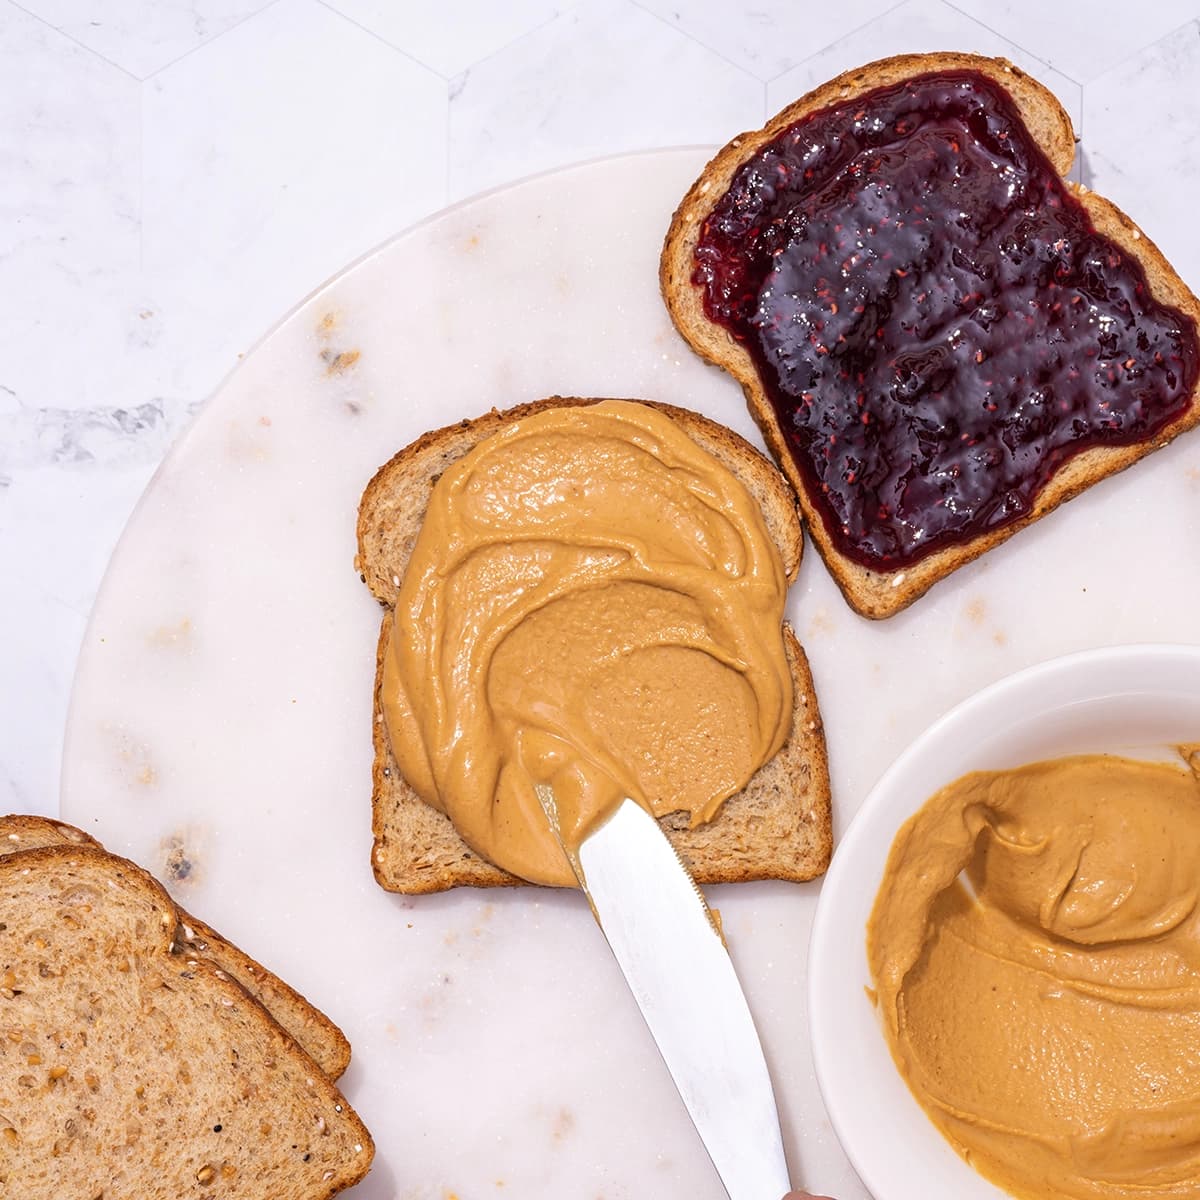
(220, 725)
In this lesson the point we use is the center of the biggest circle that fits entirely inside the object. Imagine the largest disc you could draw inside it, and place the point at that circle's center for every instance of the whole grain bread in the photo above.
(128, 1069)
(317, 1035)
(881, 593)
(778, 827)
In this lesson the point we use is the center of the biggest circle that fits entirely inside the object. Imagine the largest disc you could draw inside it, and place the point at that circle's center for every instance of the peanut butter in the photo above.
(1047, 1016)
(594, 603)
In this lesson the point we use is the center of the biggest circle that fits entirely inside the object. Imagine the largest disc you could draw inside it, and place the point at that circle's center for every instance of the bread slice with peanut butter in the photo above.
(777, 827)
(312, 1029)
(129, 1069)
(829, 256)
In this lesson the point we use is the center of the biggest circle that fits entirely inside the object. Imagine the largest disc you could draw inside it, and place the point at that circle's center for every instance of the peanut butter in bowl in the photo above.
(1044, 1005)
(1004, 969)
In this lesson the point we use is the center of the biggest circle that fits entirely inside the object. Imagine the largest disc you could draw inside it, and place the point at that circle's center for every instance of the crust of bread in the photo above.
(89, 941)
(880, 594)
(778, 827)
(317, 1035)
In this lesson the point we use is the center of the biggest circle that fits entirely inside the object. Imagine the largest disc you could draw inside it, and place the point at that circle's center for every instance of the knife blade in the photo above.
(664, 938)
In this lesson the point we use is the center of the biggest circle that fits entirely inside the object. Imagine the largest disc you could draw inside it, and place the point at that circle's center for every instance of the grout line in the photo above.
(74, 609)
(75, 41)
(258, 12)
(677, 28)
(1079, 133)
(1077, 164)
(446, 192)
(1194, 20)
(566, 11)
(887, 12)
(141, 152)
(448, 79)
(337, 12)
(1016, 46)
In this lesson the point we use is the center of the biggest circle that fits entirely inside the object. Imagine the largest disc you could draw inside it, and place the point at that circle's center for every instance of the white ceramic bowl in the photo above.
(1132, 700)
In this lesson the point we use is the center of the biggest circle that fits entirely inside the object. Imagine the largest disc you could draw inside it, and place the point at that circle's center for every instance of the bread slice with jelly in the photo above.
(778, 827)
(783, 322)
(129, 1069)
(313, 1030)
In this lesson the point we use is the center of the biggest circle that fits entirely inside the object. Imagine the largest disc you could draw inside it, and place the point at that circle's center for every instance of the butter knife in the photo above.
(667, 944)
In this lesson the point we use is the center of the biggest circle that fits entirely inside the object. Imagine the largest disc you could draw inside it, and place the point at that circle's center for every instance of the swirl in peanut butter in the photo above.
(593, 602)
(1047, 1017)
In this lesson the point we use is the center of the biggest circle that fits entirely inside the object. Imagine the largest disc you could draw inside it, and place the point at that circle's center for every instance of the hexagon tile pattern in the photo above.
(68, 217)
(1082, 40)
(449, 36)
(268, 167)
(766, 39)
(1148, 167)
(555, 97)
(143, 36)
(913, 27)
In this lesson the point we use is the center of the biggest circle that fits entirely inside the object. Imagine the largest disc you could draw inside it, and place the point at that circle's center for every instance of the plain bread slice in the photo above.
(128, 1070)
(312, 1029)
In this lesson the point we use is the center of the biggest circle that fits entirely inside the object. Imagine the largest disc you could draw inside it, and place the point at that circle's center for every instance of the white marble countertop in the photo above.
(179, 174)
